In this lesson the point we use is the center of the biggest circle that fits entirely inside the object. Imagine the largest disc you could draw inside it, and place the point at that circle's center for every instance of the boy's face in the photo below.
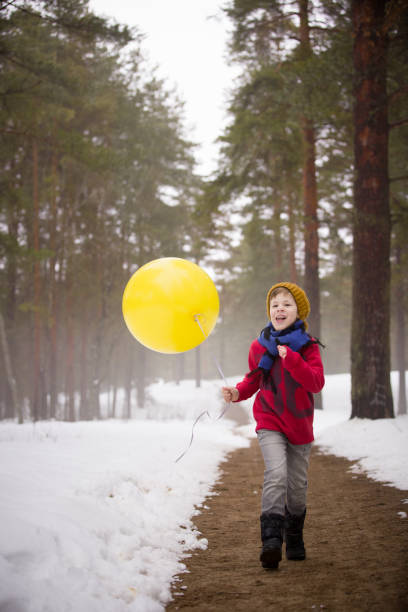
(283, 310)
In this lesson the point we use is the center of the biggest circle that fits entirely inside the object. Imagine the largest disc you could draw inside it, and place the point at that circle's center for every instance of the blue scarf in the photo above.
(294, 337)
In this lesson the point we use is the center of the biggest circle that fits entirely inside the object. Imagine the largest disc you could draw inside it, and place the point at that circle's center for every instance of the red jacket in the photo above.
(290, 409)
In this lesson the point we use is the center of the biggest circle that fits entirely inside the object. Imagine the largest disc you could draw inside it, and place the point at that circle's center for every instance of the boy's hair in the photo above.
(277, 291)
(300, 297)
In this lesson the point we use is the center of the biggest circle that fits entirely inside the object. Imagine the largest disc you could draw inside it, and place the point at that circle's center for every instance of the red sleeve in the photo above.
(306, 368)
(250, 383)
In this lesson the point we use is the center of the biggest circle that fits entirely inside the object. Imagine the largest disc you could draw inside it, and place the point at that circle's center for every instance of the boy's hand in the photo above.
(282, 350)
(230, 394)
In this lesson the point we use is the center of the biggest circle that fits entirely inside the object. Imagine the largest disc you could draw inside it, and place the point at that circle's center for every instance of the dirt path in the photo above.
(357, 545)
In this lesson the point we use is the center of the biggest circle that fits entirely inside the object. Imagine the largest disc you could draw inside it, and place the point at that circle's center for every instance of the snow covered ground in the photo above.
(380, 447)
(96, 516)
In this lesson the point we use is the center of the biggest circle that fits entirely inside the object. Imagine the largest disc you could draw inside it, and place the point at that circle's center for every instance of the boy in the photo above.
(285, 370)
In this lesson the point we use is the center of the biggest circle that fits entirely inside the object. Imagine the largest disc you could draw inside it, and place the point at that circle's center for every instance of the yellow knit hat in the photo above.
(300, 297)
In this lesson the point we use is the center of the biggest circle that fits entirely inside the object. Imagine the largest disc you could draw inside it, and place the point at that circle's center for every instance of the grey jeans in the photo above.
(285, 475)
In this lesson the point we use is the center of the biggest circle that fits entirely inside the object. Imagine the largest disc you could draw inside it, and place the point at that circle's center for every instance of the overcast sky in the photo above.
(187, 40)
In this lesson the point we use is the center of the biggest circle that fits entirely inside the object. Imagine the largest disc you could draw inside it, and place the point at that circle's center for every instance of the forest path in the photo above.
(357, 545)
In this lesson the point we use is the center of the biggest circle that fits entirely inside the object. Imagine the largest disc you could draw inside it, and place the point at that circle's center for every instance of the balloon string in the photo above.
(205, 412)
(192, 434)
(217, 365)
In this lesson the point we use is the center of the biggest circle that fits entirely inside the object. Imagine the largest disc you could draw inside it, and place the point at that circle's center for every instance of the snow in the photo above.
(98, 516)
(379, 447)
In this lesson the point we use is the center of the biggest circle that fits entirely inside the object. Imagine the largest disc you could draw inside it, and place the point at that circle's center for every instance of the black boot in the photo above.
(295, 548)
(272, 536)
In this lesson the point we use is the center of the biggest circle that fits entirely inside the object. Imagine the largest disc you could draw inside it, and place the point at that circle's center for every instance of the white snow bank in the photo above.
(95, 516)
(380, 447)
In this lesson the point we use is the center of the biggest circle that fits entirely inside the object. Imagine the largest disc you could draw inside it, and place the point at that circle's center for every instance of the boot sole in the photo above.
(270, 558)
(295, 557)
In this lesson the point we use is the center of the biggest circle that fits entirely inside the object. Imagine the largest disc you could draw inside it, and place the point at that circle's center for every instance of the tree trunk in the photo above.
(198, 366)
(17, 411)
(52, 292)
(277, 228)
(127, 411)
(292, 242)
(400, 338)
(84, 413)
(180, 367)
(100, 315)
(11, 304)
(69, 315)
(141, 384)
(114, 397)
(402, 391)
(310, 200)
(370, 341)
(311, 283)
(69, 366)
(37, 290)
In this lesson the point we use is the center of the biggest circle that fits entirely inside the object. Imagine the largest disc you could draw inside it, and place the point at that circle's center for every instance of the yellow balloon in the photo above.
(170, 305)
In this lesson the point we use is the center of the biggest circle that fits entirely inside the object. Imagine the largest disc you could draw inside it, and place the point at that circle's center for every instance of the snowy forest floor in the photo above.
(357, 553)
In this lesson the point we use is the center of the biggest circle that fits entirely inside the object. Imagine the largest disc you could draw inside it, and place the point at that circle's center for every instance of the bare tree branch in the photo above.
(399, 178)
(398, 123)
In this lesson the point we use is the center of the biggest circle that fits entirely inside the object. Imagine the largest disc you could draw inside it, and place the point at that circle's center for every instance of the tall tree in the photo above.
(280, 44)
(310, 197)
(370, 345)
